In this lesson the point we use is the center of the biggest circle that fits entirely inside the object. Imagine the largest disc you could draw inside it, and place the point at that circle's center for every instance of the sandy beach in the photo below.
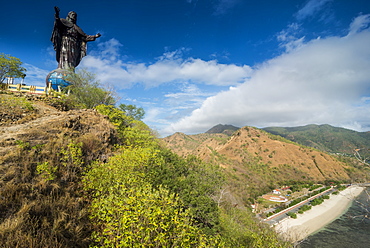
(319, 216)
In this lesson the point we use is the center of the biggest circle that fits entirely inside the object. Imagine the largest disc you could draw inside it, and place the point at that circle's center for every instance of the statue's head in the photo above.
(72, 17)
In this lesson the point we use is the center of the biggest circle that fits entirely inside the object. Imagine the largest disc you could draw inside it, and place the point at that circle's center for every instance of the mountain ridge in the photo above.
(221, 128)
(262, 160)
(326, 138)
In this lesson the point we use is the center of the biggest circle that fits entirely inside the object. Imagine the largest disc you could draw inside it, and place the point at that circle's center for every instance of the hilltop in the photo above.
(38, 123)
(326, 138)
(220, 128)
(43, 153)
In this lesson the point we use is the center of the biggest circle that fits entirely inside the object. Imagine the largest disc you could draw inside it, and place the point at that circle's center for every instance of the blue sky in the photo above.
(192, 64)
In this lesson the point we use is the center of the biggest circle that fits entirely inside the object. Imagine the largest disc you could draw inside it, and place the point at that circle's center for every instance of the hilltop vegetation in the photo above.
(100, 178)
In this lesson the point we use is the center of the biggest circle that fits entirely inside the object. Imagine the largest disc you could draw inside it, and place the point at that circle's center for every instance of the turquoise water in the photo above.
(351, 230)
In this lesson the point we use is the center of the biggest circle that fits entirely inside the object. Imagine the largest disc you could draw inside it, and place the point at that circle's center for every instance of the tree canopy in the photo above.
(10, 67)
(133, 111)
(87, 91)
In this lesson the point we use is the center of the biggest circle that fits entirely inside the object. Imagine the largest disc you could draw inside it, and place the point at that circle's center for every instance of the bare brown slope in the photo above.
(198, 144)
(318, 165)
(52, 124)
(259, 161)
(250, 143)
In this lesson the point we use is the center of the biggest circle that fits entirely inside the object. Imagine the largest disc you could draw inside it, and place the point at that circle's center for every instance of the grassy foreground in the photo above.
(78, 181)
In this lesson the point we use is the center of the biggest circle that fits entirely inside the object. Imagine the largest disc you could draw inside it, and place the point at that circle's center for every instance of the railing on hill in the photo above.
(28, 89)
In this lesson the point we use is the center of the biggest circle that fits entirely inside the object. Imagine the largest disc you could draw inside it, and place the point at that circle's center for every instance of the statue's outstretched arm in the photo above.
(92, 37)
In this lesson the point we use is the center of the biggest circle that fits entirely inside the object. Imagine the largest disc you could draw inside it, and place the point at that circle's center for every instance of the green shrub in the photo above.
(134, 214)
(305, 208)
(46, 170)
(292, 215)
(317, 201)
(314, 187)
(341, 187)
(87, 92)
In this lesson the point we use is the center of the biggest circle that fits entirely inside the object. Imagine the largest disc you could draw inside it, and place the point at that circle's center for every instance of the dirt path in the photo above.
(9, 134)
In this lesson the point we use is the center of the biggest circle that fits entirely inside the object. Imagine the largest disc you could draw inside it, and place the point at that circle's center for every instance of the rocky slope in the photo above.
(47, 123)
(43, 153)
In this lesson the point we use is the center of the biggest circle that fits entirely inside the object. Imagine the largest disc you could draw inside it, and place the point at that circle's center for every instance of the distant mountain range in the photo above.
(324, 137)
(226, 129)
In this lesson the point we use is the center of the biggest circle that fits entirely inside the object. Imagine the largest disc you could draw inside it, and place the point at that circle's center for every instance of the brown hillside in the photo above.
(250, 143)
(275, 153)
(198, 144)
(45, 124)
(258, 161)
(43, 153)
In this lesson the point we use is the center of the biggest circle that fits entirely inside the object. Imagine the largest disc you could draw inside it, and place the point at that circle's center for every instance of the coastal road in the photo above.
(276, 218)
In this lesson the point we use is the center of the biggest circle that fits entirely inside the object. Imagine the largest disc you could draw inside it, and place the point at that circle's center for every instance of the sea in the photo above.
(351, 230)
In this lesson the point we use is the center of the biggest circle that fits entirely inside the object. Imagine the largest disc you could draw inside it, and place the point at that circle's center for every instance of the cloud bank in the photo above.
(321, 81)
(168, 68)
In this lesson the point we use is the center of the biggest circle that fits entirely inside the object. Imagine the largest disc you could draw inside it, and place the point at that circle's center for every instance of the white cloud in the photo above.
(288, 37)
(177, 102)
(311, 8)
(152, 114)
(359, 23)
(35, 76)
(324, 81)
(110, 49)
(168, 68)
(188, 97)
(188, 90)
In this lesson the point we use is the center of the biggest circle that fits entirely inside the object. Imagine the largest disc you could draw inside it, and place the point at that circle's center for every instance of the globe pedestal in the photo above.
(57, 78)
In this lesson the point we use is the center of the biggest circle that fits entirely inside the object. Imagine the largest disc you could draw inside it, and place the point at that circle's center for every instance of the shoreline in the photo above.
(319, 216)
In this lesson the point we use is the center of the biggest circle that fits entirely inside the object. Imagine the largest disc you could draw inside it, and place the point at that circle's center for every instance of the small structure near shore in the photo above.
(275, 198)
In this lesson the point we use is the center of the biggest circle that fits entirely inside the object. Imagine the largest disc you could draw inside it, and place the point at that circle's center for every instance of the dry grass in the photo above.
(40, 213)
(16, 110)
(35, 211)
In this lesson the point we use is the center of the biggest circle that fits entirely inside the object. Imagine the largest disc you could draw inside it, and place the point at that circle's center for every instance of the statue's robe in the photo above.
(69, 43)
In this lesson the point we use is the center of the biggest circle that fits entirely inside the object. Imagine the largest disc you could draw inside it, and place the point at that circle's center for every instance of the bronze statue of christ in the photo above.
(69, 41)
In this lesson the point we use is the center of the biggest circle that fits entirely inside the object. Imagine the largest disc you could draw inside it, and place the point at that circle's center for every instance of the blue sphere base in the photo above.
(57, 78)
